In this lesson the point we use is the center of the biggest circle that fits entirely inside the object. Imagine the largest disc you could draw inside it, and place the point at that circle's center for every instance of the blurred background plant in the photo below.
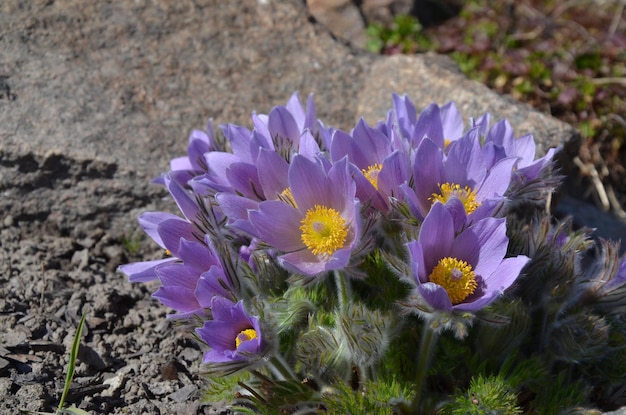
(565, 58)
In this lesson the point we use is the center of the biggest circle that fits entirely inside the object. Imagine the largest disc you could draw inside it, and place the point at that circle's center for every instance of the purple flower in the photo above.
(377, 169)
(442, 125)
(189, 285)
(465, 272)
(316, 221)
(232, 334)
(462, 174)
(501, 143)
(183, 169)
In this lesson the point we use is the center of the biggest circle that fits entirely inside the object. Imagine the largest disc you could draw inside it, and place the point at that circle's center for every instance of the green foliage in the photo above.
(405, 35)
(72, 410)
(561, 58)
(485, 396)
(223, 388)
(374, 398)
(132, 243)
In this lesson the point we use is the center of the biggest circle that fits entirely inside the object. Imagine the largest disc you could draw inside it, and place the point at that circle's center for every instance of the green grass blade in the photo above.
(72, 364)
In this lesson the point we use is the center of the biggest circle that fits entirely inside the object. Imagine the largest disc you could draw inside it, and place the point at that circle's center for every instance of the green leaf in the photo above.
(70, 369)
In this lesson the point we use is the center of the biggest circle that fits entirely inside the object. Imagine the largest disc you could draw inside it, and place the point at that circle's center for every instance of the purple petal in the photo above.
(294, 106)
(244, 180)
(308, 146)
(308, 183)
(465, 164)
(150, 222)
(172, 231)
(435, 295)
(416, 255)
(212, 283)
(436, 235)
(428, 172)
(501, 279)
(236, 208)
(197, 255)
(303, 262)
(143, 271)
(524, 148)
(181, 299)
(452, 121)
(177, 274)
(272, 170)
(498, 180)
(428, 125)
(183, 199)
(282, 124)
(278, 224)
(220, 335)
(239, 140)
(482, 245)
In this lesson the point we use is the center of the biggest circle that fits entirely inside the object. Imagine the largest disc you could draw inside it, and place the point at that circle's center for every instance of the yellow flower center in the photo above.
(446, 142)
(456, 277)
(287, 197)
(371, 174)
(466, 195)
(323, 230)
(244, 336)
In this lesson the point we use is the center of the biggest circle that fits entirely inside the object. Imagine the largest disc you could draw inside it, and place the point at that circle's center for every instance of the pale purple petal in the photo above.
(143, 271)
(181, 299)
(436, 235)
(497, 181)
(428, 125)
(273, 171)
(482, 245)
(436, 296)
(496, 283)
(308, 183)
(282, 124)
(150, 221)
(278, 224)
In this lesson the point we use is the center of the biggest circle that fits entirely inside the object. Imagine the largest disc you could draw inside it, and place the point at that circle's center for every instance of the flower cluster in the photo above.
(312, 256)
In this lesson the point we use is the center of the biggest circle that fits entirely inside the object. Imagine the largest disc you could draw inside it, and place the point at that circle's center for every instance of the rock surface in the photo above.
(96, 98)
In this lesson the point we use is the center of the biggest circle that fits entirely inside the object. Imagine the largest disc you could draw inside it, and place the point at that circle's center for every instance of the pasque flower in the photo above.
(500, 143)
(462, 173)
(316, 221)
(462, 272)
(377, 168)
(232, 334)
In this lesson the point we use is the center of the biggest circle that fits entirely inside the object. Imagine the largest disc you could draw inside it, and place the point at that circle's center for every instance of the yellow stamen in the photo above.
(446, 142)
(287, 197)
(371, 174)
(456, 277)
(244, 336)
(466, 195)
(168, 252)
(324, 231)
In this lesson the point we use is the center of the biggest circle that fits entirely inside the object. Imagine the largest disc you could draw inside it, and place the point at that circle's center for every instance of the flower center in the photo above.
(287, 197)
(456, 277)
(323, 230)
(466, 195)
(371, 174)
(244, 336)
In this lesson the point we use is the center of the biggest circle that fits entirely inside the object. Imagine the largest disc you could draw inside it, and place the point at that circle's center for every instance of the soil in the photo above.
(132, 359)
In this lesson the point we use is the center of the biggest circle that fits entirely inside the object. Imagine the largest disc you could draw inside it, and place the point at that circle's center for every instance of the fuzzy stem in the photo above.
(343, 290)
(427, 347)
(281, 368)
